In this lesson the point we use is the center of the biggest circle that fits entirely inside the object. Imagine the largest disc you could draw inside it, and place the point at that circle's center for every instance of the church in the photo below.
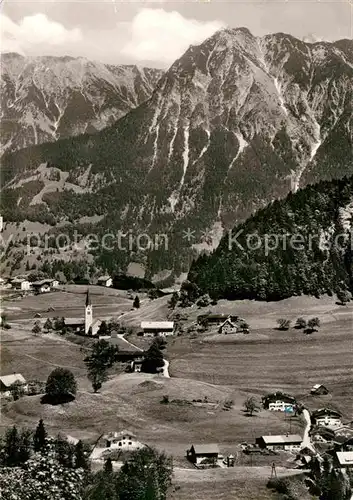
(86, 325)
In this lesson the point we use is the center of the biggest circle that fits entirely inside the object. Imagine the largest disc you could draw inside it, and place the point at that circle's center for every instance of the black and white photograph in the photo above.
(176, 250)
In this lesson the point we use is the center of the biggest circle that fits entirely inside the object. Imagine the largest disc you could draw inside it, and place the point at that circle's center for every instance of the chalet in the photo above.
(327, 417)
(319, 390)
(227, 327)
(215, 319)
(7, 380)
(281, 405)
(136, 365)
(123, 440)
(105, 281)
(157, 328)
(344, 459)
(278, 400)
(199, 453)
(21, 284)
(42, 286)
(287, 442)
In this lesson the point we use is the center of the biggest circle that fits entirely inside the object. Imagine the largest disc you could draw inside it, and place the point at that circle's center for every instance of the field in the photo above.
(206, 367)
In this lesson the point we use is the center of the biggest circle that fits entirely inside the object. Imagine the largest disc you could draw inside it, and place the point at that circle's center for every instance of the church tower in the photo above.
(88, 313)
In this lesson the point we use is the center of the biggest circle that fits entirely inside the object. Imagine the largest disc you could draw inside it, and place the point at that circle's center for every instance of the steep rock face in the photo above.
(235, 123)
(47, 98)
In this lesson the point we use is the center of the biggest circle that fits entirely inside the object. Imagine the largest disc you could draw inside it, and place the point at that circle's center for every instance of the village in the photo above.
(279, 430)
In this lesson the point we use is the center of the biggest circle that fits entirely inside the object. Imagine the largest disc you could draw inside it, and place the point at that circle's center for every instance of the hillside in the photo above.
(300, 245)
(235, 123)
(46, 98)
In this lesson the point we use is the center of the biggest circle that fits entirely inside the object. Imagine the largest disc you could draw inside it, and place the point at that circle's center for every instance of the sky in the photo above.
(157, 33)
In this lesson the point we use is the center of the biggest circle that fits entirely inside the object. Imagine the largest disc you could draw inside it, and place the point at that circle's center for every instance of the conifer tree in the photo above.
(40, 437)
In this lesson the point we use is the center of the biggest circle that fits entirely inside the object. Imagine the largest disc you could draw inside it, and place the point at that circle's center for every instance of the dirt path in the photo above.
(306, 443)
(121, 336)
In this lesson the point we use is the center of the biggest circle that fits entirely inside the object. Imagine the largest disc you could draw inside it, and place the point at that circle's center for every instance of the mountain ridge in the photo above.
(234, 123)
(47, 97)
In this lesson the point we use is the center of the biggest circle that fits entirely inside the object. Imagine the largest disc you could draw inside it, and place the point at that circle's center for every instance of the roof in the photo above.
(68, 438)
(42, 282)
(104, 278)
(345, 457)
(74, 321)
(117, 435)
(8, 380)
(282, 439)
(169, 290)
(228, 321)
(168, 325)
(201, 449)
(326, 411)
(18, 280)
(318, 386)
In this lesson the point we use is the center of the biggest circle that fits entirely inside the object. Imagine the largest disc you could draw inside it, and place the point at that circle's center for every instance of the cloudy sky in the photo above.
(156, 33)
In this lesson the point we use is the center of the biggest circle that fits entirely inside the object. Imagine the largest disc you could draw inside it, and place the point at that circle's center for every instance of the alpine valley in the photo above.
(235, 123)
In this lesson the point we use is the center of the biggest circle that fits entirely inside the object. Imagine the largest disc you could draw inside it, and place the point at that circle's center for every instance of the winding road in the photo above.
(306, 443)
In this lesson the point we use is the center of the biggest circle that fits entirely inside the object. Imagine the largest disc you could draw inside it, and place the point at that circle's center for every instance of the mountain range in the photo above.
(46, 98)
(234, 124)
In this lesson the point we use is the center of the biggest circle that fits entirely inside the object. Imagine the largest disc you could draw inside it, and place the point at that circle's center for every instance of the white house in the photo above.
(157, 328)
(124, 440)
(21, 284)
(7, 380)
(327, 418)
(281, 406)
(105, 281)
(287, 442)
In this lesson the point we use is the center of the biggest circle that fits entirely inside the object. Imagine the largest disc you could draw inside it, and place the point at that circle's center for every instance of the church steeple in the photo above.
(88, 298)
(88, 313)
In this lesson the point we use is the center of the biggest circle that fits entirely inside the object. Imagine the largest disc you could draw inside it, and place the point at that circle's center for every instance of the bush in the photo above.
(300, 323)
(283, 324)
(165, 399)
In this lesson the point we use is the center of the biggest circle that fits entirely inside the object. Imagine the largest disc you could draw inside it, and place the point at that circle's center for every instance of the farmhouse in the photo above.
(199, 453)
(227, 327)
(327, 417)
(21, 284)
(43, 286)
(157, 328)
(136, 365)
(215, 319)
(344, 459)
(281, 405)
(319, 390)
(288, 442)
(278, 400)
(123, 440)
(7, 380)
(105, 281)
